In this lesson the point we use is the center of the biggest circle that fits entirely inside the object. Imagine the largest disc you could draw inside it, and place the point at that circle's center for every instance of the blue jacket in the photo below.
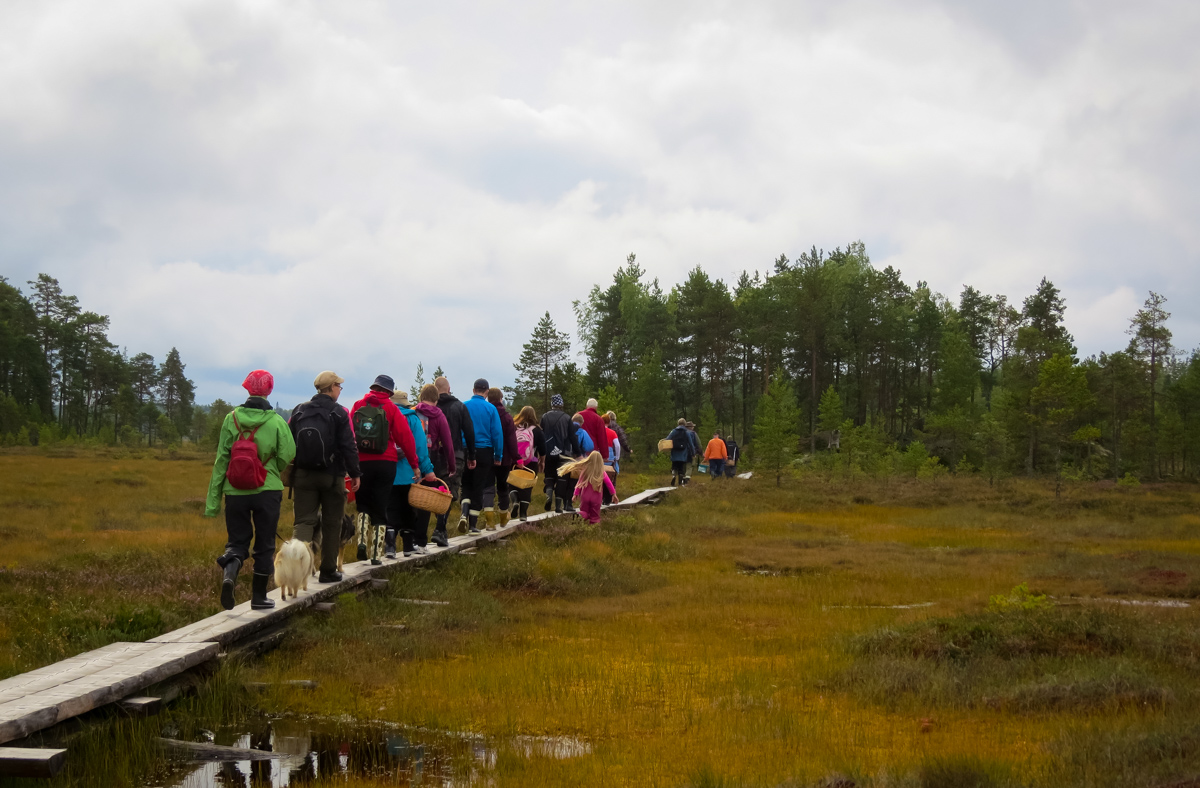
(486, 419)
(685, 454)
(404, 474)
(583, 440)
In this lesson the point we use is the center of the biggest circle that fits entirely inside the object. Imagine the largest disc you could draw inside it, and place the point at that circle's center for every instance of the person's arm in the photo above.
(442, 429)
(468, 432)
(539, 448)
(419, 438)
(285, 446)
(346, 444)
(612, 491)
(216, 484)
(497, 435)
(402, 436)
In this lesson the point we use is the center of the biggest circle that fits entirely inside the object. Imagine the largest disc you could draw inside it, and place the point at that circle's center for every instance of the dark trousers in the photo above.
(455, 480)
(730, 469)
(402, 516)
(421, 517)
(502, 488)
(716, 468)
(679, 469)
(564, 486)
(480, 478)
(316, 490)
(254, 516)
(378, 477)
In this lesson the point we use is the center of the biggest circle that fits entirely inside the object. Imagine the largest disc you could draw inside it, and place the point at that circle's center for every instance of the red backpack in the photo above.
(246, 471)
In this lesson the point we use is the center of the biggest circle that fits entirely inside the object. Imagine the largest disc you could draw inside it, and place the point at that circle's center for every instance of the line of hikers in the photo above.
(374, 453)
(721, 455)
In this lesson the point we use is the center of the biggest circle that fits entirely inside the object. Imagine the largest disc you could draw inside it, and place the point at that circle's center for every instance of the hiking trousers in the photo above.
(378, 476)
(253, 517)
(562, 487)
(317, 490)
(479, 479)
(679, 470)
(402, 517)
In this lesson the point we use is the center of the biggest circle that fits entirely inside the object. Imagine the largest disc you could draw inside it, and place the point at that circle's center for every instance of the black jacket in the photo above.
(557, 431)
(462, 430)
(346, 460)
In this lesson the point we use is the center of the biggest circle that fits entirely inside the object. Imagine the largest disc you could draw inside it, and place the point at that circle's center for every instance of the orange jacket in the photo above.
(715, 450)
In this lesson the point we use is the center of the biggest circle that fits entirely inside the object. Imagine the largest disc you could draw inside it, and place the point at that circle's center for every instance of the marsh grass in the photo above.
(737, 633)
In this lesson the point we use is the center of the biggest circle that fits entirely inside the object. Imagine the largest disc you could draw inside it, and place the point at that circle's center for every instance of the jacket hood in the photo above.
(377, 397)
(447, 397)
(428, 408)
(252, 417)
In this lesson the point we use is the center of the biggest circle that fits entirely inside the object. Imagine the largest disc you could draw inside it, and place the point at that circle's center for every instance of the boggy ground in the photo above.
(736, 634)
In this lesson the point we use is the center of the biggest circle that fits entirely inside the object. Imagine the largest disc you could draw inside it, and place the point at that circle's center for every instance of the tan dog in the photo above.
(294, 562)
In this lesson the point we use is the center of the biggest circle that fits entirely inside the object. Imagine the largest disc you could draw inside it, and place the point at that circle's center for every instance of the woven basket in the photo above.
(430, 499)
(665, 444)
(521, 478)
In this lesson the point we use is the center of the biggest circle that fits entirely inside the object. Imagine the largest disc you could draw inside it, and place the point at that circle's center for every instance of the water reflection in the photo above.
(324, 750)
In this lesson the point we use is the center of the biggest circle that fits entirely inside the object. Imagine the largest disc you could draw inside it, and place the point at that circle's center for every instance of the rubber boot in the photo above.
(505, 516)
(232, 564)
(363, 521)
(258, 593)
(439, 536)
(389, 545)
(489, 519)
(513, 503)
(549, 499)
(524, 511)
(464, 520)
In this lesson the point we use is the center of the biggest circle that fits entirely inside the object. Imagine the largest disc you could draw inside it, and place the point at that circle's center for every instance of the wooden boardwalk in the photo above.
(40, 698)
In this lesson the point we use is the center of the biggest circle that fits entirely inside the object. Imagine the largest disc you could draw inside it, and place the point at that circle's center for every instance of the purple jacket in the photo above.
(440, 441)
(510, 456)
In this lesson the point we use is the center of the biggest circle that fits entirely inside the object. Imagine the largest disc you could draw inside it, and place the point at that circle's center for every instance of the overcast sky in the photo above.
(365, 185)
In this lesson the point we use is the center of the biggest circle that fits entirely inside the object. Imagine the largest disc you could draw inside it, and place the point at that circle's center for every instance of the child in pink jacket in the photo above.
(592, 480)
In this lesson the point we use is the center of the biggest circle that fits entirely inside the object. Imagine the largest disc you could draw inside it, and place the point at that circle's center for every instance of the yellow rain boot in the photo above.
(489, 519)
(504, 517)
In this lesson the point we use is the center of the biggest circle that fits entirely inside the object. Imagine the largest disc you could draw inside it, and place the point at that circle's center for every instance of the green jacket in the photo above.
(275, 448)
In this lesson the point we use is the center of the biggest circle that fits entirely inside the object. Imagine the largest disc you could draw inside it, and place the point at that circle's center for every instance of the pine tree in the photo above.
(650, 401)
(546, 349)
(775, 428)
(1152, 344)
(418, 384)
(830, 411)
(176, 393)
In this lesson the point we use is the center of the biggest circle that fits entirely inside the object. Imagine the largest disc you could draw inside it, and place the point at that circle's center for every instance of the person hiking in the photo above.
(614, 454)
(592, 479)
(462, 432)
(489, 445)
(531, 450)
(440, 445)
(695, 439)
(325, 456)
(714, 454)
(556, 429)
(580, 437)
(254, 447)
(505, 501)
(595, 427)
(379, 428)
(626, 450)
(401, 515)
(681, 453)
(731, 456)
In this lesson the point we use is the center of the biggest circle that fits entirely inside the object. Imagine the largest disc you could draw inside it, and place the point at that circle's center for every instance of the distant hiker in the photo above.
(379, 429)
(731, 456)
(506, 500)
(531, 449)
(440, 445)
(592, 480)
(681, 453)
(556, 429)
(401, 516)
(695, 439)
(462, 432)
(254, 447)
(325, 456)
(714, 454)
(595, 427)
(614, 453)
(626, 450)
(489, 445)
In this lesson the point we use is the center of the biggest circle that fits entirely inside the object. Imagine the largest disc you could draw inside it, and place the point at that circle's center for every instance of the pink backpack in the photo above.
(246, 471)
(525, 445)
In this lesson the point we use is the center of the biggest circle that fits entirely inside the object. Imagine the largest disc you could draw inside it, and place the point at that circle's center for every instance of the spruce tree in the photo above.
(775, 428)
(176, 392)
(546, 349)
(1152, 344)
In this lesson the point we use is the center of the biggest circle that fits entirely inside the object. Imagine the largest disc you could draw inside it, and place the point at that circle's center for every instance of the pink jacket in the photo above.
(439, 433)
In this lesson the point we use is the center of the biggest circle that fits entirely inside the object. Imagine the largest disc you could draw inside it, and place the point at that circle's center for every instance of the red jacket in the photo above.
(593, 425)
(398, 427)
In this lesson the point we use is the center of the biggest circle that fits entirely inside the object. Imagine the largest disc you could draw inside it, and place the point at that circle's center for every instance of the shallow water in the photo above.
(323, 749)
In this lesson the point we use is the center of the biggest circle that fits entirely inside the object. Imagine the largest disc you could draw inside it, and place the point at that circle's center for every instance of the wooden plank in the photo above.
(31, 762)
(325, 607)
(215, 752)
(140, 706)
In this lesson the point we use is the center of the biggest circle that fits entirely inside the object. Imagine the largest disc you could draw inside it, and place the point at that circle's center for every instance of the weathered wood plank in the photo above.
(140, 706)
(215, 752)
(31, 762)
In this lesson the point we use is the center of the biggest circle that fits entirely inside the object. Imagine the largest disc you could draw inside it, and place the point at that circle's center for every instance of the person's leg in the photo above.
(333, 508)
(407, 522)
(483, 486)
(396, 508)
(306, 489)
(549, 482)
(378, 476)
(239, 531)
(504, 503)
(265, 511)
(589, 506)
(524, 497)
(716, 468)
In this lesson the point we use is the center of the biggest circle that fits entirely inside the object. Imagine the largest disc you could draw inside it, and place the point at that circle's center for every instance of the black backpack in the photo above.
(316, 443)
(680, 440)
(557, 433)
(371, 430)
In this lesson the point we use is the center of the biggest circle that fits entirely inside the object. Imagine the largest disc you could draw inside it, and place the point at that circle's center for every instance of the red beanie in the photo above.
(259, 383)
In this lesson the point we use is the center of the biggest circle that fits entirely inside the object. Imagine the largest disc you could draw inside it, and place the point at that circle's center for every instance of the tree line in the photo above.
(61, 376)
(845, 360)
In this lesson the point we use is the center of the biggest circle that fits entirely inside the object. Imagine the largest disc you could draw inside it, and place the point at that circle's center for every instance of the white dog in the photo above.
(293, 566)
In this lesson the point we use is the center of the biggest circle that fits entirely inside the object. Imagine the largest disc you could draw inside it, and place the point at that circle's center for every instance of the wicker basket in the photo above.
(430, 499)
(521, 478)
(665, 444)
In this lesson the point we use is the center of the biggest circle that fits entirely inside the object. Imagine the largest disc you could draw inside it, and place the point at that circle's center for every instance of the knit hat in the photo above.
(556, 401)
(481, 385)
(259, 383)
(401, 398)
(327, 379)
(385, 383)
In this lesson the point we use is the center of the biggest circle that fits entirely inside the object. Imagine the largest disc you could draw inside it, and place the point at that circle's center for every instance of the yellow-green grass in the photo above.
(734, 635)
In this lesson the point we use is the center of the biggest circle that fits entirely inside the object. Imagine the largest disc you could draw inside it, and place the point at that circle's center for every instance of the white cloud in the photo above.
(369, 186)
